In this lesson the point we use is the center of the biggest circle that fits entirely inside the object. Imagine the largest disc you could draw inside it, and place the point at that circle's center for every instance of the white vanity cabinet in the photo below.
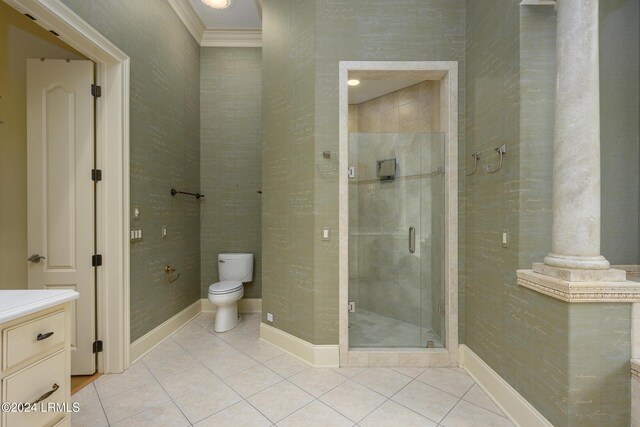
(35, 360)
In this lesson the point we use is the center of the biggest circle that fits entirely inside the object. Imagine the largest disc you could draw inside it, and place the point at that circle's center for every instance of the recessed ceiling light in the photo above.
(217, 4)
(353, 82)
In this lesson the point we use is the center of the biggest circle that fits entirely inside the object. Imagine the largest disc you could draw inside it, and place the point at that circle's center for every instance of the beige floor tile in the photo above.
(280, 400)
(229, 363)
(124, 405)
(478, 397)
(426, 400)
(317, 381)
(252, 380)
(315, 414)
(349, 372)
(447, 380)
(353, 400)
(200, 341)
(160, 365)
(469, 415)
(208, 351)
(239, 415)
(258, 350)
(90, 415)
(183, 382)
(164, 415)
(191, 328)
(410, 372)
(391, 414)
(165, 348)
(137, 375)
(86, 396)
(382, 380)
(286, 365)
(199, 404)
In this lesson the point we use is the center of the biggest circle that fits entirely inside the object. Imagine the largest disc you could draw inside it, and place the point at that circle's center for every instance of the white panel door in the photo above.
(60, 156)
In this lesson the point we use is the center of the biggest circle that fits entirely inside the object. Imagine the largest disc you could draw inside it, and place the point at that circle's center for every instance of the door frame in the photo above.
(112, 151)
(447, 73)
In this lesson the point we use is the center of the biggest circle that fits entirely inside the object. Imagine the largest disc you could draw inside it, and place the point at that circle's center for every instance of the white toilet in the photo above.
(233, 270)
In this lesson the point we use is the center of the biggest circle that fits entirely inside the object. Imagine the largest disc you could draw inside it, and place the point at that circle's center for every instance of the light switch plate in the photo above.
(326, 234)
(505, 238)
(270, 317)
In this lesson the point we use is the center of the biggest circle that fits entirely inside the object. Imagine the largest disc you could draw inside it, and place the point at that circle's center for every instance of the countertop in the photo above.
(18, 303)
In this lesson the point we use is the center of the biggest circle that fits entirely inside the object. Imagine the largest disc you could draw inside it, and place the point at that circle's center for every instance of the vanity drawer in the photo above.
(31, 338)
(32, 383)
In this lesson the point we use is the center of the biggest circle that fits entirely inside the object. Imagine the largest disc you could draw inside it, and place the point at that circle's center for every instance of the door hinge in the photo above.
(96, 260)
(97, 346)
(96, 91)
(96, 175)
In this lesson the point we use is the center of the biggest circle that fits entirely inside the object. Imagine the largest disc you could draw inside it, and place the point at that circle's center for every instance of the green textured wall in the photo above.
(288, 232)
(303, 42)
(619, 133)
(554, 354)
(165, 150)
(230, 159)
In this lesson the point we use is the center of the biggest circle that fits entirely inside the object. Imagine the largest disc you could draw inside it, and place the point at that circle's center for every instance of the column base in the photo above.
(587, 291)
(578, 275)
(577, 262)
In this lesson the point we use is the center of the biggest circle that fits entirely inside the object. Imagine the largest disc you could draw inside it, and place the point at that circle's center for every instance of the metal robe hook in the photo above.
(476, 157)
(501, 151)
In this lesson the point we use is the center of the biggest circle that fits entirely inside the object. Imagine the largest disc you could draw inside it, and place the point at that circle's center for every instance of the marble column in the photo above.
(576, 145)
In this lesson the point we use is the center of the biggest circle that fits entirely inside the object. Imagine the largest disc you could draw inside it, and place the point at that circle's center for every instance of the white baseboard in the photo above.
(516, 407)
(320, 356)
(245, 305)
(151, 339)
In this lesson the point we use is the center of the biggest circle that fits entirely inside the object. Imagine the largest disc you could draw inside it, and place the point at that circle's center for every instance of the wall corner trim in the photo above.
(516, 407)
(189, 17)
(153, 338)
(319, 356)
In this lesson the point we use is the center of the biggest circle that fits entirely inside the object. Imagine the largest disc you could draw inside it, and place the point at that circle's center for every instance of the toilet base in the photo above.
(226, 318)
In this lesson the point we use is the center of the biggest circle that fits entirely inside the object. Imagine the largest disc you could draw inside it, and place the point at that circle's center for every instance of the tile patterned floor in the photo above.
(201, 378)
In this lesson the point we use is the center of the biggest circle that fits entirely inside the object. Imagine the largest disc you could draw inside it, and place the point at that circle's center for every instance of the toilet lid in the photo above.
(226, 287)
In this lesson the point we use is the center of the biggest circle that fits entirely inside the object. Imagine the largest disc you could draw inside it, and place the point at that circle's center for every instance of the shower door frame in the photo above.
(447, 73)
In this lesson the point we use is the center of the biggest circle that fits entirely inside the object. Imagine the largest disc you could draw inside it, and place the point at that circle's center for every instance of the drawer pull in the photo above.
(54, 388)
(41, 337)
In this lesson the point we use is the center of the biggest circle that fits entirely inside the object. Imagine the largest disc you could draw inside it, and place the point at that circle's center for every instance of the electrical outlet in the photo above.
(270, 317)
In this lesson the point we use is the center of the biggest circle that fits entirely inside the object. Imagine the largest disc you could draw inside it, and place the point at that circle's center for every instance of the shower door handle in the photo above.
(412, 239)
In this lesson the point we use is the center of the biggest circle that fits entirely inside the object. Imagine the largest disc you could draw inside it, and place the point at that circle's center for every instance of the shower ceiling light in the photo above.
(353, 82)
(217, 4)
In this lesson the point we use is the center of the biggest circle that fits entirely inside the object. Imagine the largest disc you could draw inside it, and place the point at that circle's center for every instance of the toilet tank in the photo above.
(232, 266)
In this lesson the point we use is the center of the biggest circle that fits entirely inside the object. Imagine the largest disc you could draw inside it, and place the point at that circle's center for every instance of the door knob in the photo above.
(35, 258)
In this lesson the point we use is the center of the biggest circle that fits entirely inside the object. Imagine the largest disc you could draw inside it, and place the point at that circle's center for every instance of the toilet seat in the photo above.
(226, 287)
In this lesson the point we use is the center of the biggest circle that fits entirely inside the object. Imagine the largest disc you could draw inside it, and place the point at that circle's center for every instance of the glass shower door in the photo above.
(392, 244)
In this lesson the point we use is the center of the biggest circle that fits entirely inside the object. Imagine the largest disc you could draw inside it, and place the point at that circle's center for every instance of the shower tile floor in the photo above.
(369, 329)
(200, 378)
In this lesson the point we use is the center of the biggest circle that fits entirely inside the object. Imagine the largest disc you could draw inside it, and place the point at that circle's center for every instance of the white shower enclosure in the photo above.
(398, 229)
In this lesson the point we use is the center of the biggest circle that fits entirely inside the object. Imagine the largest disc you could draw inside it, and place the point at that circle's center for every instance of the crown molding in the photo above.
(214, 38)
(189, 18)
(231, 38)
